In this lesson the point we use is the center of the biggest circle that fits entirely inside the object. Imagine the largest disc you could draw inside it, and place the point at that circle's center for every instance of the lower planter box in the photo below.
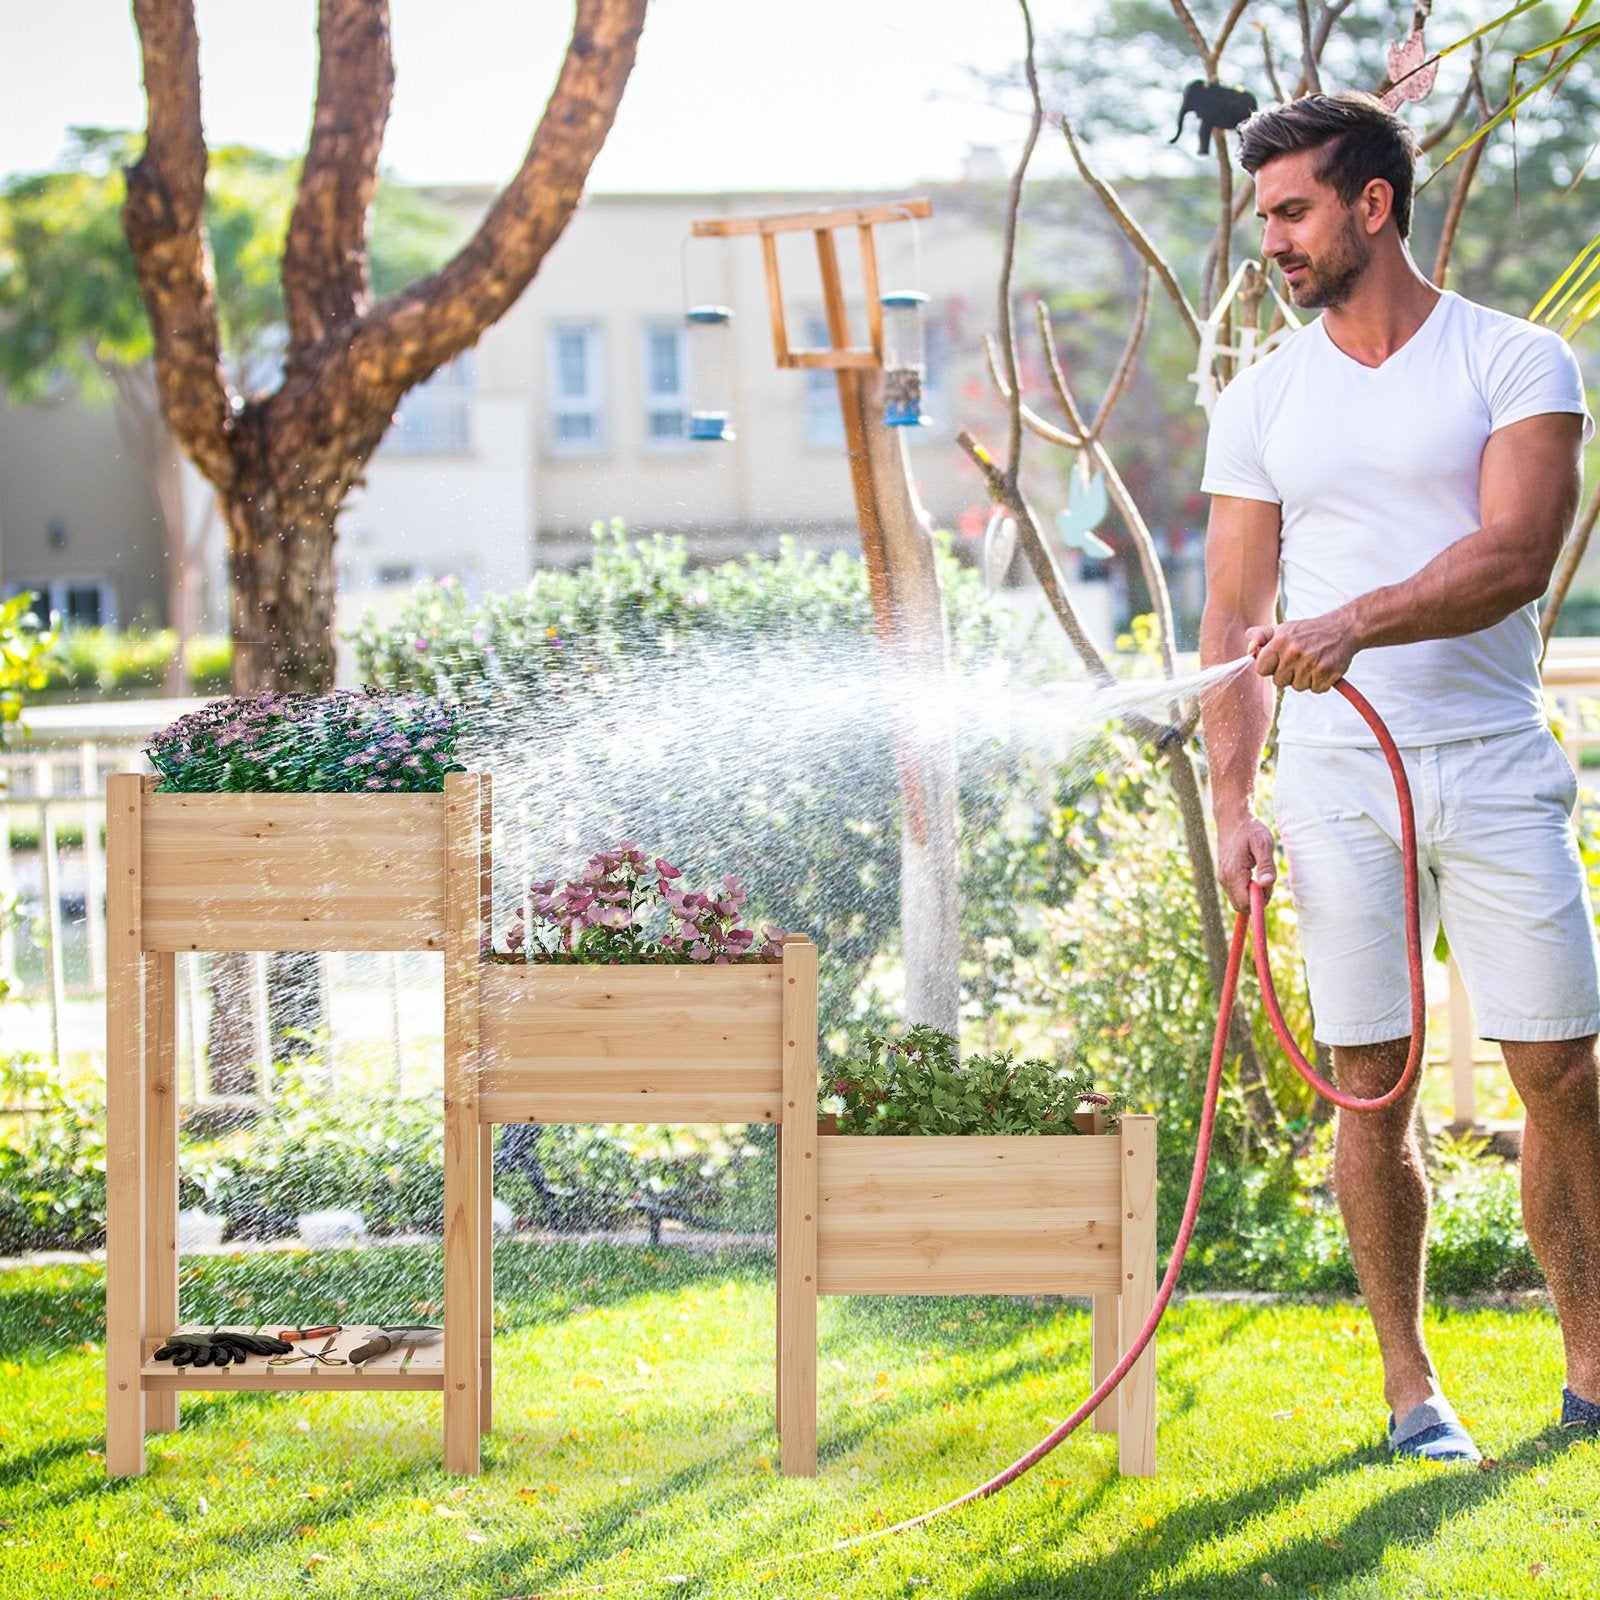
(1006, 1215)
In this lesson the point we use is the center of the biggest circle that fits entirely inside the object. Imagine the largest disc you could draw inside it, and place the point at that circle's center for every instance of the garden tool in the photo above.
(385, 1339)
(321, 1357)
(192, 1348)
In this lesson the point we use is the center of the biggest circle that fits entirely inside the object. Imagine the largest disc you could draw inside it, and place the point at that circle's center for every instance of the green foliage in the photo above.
(918, 1084)
(52, 1160)
(69, 298)
(24, 654)
(347, 742)
(116, 663)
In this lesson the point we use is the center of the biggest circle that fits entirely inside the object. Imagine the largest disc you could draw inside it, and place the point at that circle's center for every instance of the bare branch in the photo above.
(1571, 560)
(1229, 23)
(1047, 431)
(1437, 135)
(409, 335)
(1310, 79)
(1452, 219)
(164, 220)
(1143, 544)
(1008, 341)
(325, 259)
(1222, 249)
(1135, 235)
(1208, 58)
(1272, 67)
(1124, 367)
(1004, 492)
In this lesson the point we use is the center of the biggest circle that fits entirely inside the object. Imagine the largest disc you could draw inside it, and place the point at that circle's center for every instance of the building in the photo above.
(571, 410)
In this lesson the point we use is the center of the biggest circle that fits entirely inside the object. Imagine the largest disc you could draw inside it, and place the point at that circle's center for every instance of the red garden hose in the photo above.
(1255, 920)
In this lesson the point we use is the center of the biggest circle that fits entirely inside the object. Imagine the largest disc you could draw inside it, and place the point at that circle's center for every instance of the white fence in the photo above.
(381, 1010)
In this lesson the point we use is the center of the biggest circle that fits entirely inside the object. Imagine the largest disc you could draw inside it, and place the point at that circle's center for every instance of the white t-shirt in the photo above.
(1377, 469)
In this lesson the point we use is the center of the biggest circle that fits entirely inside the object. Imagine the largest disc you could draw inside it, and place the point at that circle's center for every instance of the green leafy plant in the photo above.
(351, 741)
(25, 645)
(918, 1084)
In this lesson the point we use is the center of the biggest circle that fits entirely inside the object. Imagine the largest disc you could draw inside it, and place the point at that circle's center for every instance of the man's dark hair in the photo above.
(1357, 139)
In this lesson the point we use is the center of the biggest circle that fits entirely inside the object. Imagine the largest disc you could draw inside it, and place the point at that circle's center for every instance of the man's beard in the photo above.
(1331, 279)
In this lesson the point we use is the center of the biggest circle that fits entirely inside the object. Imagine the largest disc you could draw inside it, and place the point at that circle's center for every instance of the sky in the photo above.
(727, 94)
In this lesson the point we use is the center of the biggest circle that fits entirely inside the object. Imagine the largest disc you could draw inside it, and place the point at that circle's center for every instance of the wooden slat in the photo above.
(463, 1182)
(293, 872)
(1105, 1351)
(797, 1218)
(161, 1170)
(1136, 1394)
(780, 330)
(970, 1215)
(125, 1114)
(631, 1044)
(804, 221)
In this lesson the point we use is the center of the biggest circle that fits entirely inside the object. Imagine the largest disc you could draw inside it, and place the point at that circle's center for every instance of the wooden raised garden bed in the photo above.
(1016, 1215)
(248, 872)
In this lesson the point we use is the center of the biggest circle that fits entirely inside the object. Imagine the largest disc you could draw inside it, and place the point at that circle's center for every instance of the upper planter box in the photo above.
(287, 871)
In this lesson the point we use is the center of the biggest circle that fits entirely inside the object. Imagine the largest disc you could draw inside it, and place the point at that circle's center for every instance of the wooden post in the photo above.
(161, 1169)
(463, 1184)
(1104, 1352)
(1136, 1394)
(486, 1130)
(125, 1144)
(797, 1216)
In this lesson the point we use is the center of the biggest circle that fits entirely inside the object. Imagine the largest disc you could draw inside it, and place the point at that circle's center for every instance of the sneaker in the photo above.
(1432, 1432)
(1576, 1412)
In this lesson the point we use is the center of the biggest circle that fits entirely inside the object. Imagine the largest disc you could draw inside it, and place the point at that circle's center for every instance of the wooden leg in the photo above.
(1105, 1345)
(486, 1277)
(125, 1138)
(463, 1136)
(797, 1214)
(777, 1283)
(161, 1175)
(1136, 1395)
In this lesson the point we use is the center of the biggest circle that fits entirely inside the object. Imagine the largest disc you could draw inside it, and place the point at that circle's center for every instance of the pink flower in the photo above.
(665, 870)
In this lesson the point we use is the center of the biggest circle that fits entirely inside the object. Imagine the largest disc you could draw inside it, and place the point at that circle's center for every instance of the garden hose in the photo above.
(1253, 920)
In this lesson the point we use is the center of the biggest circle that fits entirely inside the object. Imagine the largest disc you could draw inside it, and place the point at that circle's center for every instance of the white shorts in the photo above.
(1497, 864)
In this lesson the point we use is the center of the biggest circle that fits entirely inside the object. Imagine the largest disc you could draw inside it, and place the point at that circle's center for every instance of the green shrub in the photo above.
(52, 1161)
(111, 663)
(917, 1084)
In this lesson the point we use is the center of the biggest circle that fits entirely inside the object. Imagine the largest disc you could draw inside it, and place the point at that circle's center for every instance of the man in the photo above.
(1411, 463)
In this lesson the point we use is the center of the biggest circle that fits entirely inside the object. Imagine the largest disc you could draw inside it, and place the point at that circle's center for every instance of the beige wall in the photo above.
(77, 508)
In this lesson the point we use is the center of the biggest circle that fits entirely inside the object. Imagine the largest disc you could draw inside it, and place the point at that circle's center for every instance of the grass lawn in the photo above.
(633, 1450)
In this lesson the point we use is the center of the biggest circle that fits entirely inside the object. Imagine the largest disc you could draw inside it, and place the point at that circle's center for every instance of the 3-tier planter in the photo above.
(563, 1043)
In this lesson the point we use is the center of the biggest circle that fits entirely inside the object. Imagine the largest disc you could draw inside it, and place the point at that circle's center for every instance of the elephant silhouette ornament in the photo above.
(1217, 106)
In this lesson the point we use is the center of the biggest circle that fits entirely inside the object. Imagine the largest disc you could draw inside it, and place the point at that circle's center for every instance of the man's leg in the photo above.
(1382, 1189)
(1561, 1190)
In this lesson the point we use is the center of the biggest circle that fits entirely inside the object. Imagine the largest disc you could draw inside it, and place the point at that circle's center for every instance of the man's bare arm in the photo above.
(1528, 490)
(1241, 592)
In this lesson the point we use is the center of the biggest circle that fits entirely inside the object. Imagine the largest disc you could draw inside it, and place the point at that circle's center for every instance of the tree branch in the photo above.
(1135, 235)
(163, 218)
(1008, 340)
(1208, 58)
(1571, 560)
(1124, 366)
(325, 281)
(411, 334)
(1229, 23)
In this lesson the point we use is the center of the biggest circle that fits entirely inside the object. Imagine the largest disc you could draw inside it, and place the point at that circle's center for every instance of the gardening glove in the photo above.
(218, 1348)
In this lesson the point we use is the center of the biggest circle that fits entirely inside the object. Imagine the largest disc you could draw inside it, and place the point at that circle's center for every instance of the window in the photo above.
(666, 386)
(577, 420)
(824, 419)
(78, 602)
(435, 418)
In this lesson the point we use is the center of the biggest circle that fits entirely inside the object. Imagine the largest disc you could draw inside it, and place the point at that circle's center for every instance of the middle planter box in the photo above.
(668, 1044)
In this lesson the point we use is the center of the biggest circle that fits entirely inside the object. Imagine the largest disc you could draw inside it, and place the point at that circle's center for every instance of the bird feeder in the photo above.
(710, 371)
(905, 359)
